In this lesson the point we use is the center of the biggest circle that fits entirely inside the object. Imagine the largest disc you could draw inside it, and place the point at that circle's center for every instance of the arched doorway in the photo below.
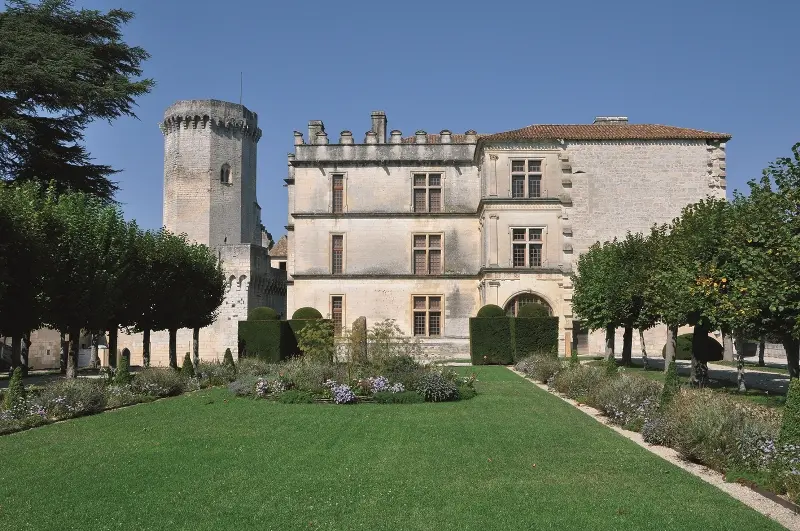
(518, 301)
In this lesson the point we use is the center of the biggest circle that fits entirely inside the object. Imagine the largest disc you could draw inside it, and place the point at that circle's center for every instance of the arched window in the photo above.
(225, 174)
(513, 306)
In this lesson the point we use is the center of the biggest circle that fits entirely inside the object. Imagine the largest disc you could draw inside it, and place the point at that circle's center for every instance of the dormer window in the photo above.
(225, 174)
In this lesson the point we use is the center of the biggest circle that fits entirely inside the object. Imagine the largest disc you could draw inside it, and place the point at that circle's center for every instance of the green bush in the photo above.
(214, 373)
(578, 382)
(122, 395)
(306, 312)
(543, 368)
(315, 340)
(531, 311)
(187, 370)
(491, 310)
(405, 397)
(465, 392)
(712, 350)
(627, 401)
(73, 398)
(255, 367)
(227, 359)
(309, 375)
(491, 340)
(435, 387)
(672, 385)
(790, 426)
(535, 335)
(159, 381)
(610, 365)
(263, 313)
(403, 369)
(123, 374)
(296, 396)
(573, 358)
(15, 394)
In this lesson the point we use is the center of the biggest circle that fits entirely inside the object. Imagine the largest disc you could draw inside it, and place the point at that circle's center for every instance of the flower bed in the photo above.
(342, 383)
(738, 439)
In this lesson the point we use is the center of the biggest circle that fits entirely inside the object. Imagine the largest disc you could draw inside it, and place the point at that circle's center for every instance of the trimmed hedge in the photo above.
(491, 340)
(535, 335)
(533, 310)
(263, 313)
(491, 310)
(306, 312)
(271, 341)
(712, 350)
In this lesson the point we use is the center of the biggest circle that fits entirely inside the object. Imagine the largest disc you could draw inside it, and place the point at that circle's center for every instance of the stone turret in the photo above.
(210, 152)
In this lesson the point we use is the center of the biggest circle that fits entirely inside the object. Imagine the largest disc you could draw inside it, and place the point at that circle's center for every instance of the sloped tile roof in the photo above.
(280, 249)
(605, 132)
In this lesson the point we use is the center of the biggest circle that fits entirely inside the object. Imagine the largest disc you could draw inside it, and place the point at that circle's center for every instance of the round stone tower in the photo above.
(210, 172)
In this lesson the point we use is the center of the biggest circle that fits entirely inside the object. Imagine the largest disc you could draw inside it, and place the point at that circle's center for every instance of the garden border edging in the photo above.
(756, 501)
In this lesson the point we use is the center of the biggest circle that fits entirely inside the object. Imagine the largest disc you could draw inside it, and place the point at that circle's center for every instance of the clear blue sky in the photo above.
(489, 66)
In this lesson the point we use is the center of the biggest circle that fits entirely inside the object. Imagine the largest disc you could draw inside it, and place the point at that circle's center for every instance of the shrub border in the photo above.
(766, 505)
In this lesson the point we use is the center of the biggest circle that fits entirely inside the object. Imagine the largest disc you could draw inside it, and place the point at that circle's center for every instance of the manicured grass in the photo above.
(211, 461)
(753, 366)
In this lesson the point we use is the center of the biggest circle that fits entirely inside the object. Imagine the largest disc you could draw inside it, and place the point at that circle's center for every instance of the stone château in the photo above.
(426, 229)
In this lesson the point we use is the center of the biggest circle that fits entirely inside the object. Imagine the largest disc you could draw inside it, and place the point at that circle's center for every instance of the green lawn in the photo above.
(753, 366)
(211, 461)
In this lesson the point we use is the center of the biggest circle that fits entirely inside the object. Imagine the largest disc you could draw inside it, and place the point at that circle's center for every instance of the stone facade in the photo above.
(517, 208)
(210, 154)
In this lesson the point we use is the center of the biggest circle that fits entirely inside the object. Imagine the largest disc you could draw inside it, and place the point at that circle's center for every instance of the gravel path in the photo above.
(765, 506)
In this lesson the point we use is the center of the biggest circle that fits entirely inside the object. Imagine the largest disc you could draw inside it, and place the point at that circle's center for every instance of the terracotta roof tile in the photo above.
(605, 132)
(281, 248)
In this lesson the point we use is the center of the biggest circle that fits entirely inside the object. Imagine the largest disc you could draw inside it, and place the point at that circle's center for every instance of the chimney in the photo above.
(444, 137)
(397, 137)
(471, 137)
(371, 138)
(379, 125)
(314, 127)
(322, 138)
(298, 138)
(611, 120)
(420, 137)
(346, 137)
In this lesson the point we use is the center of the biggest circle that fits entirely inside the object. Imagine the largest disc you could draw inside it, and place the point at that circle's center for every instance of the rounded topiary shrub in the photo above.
(712, 349)
(529, 311)
(491, 310)
(263, 314)
(306, 312)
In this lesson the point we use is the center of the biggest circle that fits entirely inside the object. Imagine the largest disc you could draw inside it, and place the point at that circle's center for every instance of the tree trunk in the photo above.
(727, 347)
(698, 338)
(16, 348)
(644, 349)
(173, 348)
(627, 346)
(610, 342)
(63, 354)
(113, 341)
(740, 370)
(24, 353)
(74, 349)
(146, 347)
(196, 348)
(672, 346)
(761, 347)
(95, 356)
(792, 347)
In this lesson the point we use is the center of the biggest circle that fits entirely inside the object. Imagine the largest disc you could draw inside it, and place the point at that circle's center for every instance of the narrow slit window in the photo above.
(338, 193)
(336, 314)
(337, 254)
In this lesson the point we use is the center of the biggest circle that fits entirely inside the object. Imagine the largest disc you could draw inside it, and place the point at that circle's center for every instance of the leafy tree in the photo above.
(596, 284)
(85, 265)
(208, 293)
(146, 284)
(61, 69)
(315, 340)
(23, 265)
(634, 272)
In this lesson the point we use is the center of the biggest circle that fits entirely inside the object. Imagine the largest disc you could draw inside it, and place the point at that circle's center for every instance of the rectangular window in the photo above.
(336, 314)
(427, 315)
(337, 254)
(526, 247)
(338, 193)
(427, 192)
(526, 179)
(427, 254)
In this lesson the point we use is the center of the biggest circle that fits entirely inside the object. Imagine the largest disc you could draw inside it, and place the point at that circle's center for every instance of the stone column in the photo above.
(493, 294)
(493, 175)
(492, 240)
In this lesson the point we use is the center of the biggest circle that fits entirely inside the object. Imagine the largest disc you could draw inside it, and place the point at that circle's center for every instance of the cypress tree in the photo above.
(16, 390)
(573, 358)
(188, 367)
(228, 359)
(123, 375)
(671, 386)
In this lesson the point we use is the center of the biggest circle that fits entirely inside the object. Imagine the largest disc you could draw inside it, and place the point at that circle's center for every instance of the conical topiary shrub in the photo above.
(123, 374)
(672, 385)
(611, 367)
(790, 428)
(228, 358)
(188, 367)
(16, 390)
(573, 358)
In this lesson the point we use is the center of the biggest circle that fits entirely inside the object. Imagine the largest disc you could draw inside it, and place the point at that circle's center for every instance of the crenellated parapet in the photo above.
(211, 114)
